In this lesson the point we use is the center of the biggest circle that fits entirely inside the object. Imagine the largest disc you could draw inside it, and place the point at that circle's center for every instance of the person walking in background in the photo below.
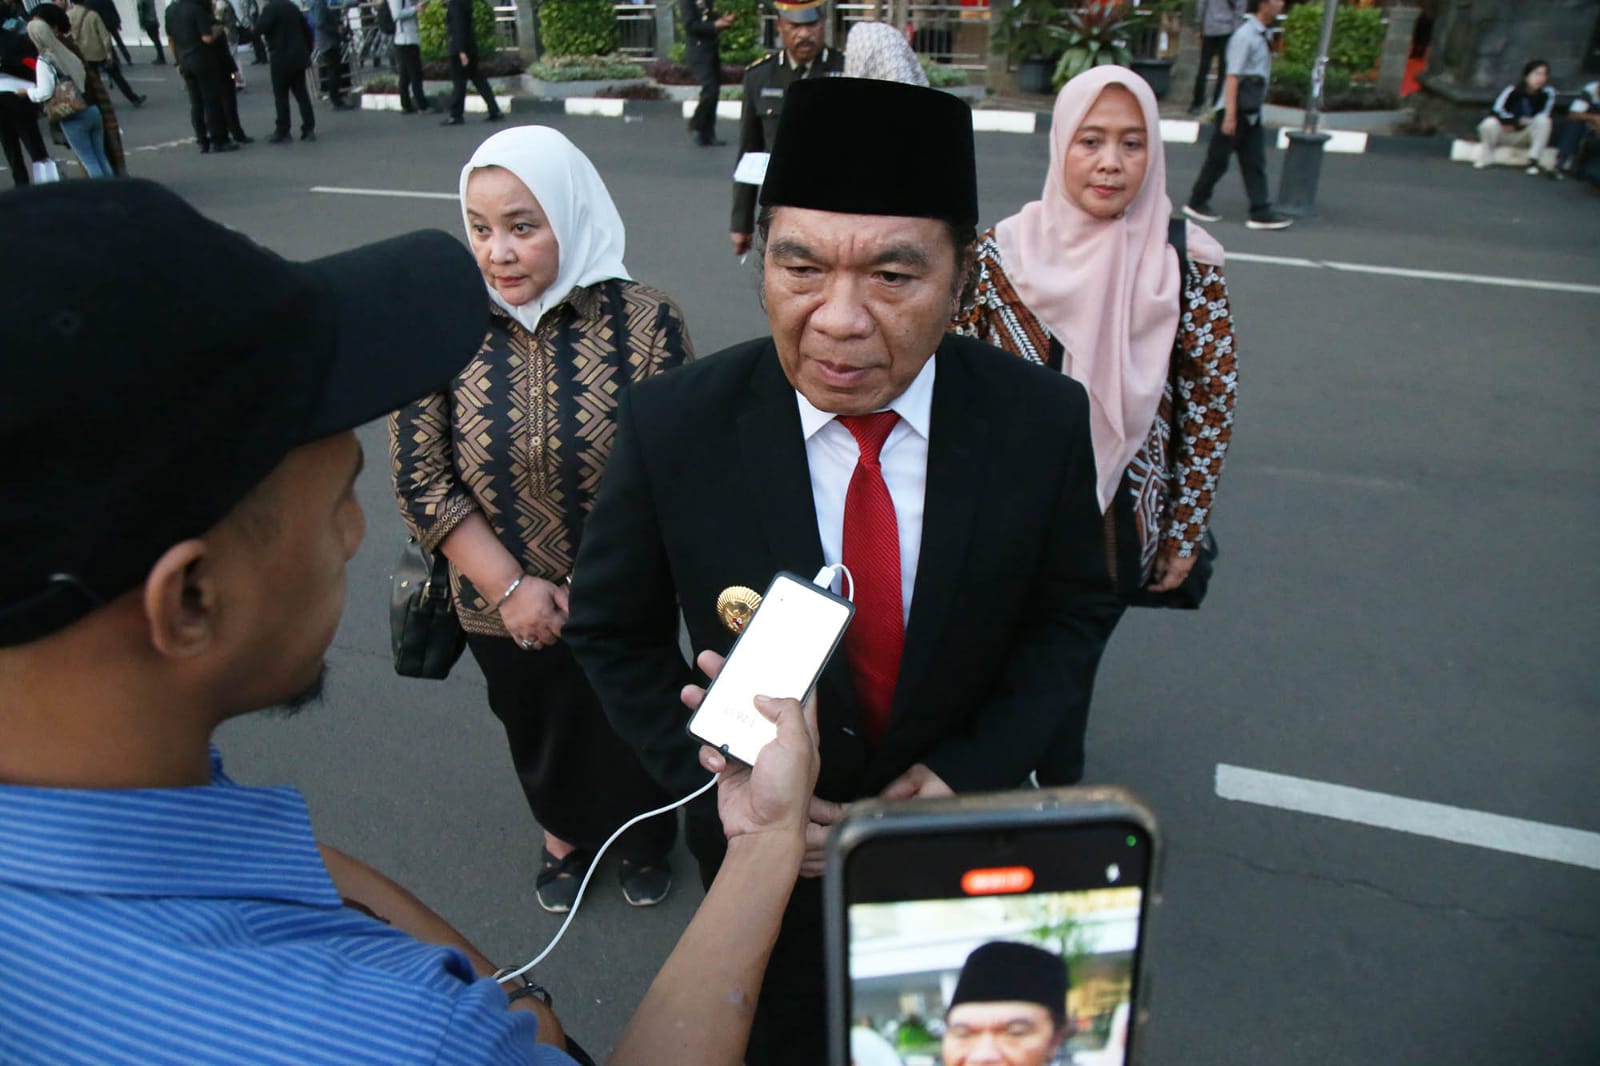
(1217, 20)
(879, 50)
(499, 472)
(288, 38)
(93, 39)
(83, 129)
(1239, 129)
(704, 26)
(93, 88)
(191, 30)
(408, 55)
(327, 24)
(107, 10)
(1085, 281)
(462, 40)
(1520, 117)
(151, 24)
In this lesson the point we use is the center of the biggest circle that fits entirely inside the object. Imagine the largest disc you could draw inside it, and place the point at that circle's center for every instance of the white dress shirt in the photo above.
(832, 453)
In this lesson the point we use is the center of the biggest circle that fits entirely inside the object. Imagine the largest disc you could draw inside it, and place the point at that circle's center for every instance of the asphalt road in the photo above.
(1404, 604)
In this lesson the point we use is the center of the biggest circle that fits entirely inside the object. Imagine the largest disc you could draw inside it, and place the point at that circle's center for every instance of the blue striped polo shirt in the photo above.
(199, 925)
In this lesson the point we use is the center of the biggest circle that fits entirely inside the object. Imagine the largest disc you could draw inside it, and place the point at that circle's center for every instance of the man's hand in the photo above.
(1170, 571)
(772, 796)
(741, 243)
(919, 782)
(462, 56)
(724, 21)
(821, 816)
(1230, 123)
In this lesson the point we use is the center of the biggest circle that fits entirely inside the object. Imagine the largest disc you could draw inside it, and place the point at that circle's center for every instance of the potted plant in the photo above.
(1031, 37)
(1095, 34)
(1154, 19)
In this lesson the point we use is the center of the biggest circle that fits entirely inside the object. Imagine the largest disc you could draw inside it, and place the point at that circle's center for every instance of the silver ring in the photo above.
(526, 644)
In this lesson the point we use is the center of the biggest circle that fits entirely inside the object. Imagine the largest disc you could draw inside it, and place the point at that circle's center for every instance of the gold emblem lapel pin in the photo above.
(735, 606)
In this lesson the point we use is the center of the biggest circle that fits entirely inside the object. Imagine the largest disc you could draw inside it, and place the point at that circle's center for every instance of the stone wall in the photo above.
(1480, 46)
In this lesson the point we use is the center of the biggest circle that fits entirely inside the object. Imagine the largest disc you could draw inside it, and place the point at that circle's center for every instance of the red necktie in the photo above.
(872, 552)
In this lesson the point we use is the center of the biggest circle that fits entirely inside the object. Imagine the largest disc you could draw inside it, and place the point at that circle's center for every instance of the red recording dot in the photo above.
(997, 881)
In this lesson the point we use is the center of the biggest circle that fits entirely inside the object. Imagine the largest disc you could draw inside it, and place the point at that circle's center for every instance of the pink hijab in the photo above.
(1107, 289)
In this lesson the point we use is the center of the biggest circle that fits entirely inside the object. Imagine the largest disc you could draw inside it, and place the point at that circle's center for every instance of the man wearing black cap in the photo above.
(1009, 1008)
(956, 486)
(181, 512)
(803, 55)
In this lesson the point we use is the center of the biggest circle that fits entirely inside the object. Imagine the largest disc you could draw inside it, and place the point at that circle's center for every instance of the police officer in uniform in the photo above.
(703, 24)
(803, 56)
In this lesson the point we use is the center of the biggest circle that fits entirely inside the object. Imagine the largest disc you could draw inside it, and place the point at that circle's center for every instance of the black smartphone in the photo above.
(1005, 927)
(780, 653)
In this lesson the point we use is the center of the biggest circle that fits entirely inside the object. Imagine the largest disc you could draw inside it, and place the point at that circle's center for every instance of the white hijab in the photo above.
(588, 229)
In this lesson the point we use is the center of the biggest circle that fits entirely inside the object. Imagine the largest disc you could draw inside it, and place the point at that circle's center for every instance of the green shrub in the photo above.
(738, 46)
(584, 68)
(435, 39)
(942, 75)
(578, 27)
(1357, 38)
(1291, 87)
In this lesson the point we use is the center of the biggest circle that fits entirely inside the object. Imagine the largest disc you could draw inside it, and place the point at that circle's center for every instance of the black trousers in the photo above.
(288, 79)
(116, 37)
(205, 106)
(19, 127)
(708, 72)
(229, 95)
(334, 73)
(459, 76)
(1211, 48)
(1249, 142)
(580, 779)
(152, 30)
(113, 70)
(409, 60)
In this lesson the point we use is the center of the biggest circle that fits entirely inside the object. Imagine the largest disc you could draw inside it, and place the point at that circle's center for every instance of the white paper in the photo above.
(752, 168)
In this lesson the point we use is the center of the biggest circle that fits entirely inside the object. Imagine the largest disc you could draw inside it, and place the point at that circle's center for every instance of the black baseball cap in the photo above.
(158, 366)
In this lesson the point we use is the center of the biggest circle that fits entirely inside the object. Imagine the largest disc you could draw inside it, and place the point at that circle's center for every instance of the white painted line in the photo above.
(1331, 477)
(476, 105)
(726, 109)
(1423, 275)
(1180, 131)
(1350, 142)
(594, 106)
(401, 193)
(985, 121)
(1515, 836)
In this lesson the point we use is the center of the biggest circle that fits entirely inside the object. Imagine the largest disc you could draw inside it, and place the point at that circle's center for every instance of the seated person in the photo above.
(1520, 117)
(175, 557)
(1578, 135)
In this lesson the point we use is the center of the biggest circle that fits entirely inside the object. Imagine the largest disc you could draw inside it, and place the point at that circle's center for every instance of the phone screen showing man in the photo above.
(1020, 947)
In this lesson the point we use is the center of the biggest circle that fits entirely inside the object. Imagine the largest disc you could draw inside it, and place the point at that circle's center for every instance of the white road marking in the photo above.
(402, 193)
(1516, 836)
(1330, 477)
(1423, 275)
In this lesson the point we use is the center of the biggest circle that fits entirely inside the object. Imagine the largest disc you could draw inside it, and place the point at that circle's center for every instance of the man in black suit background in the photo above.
(463, 45)
(702, 25)
(288, 39)
(955, 482)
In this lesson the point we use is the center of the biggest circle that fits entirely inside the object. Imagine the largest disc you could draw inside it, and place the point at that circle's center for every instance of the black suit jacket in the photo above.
(286, 33)
(458, 28)
(708, 486)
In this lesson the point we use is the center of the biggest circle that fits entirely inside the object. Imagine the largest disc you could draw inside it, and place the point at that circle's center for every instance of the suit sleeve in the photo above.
(751, 139)
(1043, 690)
(689, 11)
(623, 625)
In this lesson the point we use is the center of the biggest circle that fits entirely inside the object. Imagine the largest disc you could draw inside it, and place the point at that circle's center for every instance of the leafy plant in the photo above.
(435, 38)
(1030, 29)
(1093, 36)
(1291, 87)
(578, 27)
(942, 75)
(670, 72)
(1357, 38)
(584, 68)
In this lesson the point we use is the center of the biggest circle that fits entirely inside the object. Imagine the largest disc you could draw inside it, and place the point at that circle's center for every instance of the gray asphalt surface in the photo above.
(1405, 603)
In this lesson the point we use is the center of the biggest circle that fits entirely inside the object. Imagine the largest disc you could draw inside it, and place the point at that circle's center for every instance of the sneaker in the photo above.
(1202, 212)
(1534, 169)
(1270, 220)
(556, 887)
(645, 885)
(498, 116)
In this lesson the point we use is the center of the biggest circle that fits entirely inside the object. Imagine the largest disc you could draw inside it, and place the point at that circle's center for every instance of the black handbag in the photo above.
(423, 628)
(1252, 94)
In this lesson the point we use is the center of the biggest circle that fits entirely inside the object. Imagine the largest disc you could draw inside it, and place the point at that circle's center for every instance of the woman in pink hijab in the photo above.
(1086, 280)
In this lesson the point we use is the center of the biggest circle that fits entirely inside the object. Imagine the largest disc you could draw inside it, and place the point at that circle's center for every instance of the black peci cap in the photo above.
(860, 146)
(159, 365)
(1005, 971)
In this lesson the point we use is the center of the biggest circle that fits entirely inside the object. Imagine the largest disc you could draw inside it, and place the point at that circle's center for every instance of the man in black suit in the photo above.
(463, 45)
(192, 30)
(288, 39)
(702, 24)
(957, 484)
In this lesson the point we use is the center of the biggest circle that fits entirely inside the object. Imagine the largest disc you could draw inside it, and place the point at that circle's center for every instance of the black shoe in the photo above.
(138, 101)
(556, 887)
(240, 138)
(225, 146)
(453, 120)
(408, 111)
(160, 62)
(281, 137)
(496, 116)
(205, 149)
(1269, 220)
(308, 135)
(645, 885)
(1202, 212)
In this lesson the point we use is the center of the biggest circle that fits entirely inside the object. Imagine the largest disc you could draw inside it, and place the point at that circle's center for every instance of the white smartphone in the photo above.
(781, 653)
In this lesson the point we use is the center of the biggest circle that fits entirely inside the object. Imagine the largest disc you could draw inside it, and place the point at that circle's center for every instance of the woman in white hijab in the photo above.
(499, 471)
(878, 50)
